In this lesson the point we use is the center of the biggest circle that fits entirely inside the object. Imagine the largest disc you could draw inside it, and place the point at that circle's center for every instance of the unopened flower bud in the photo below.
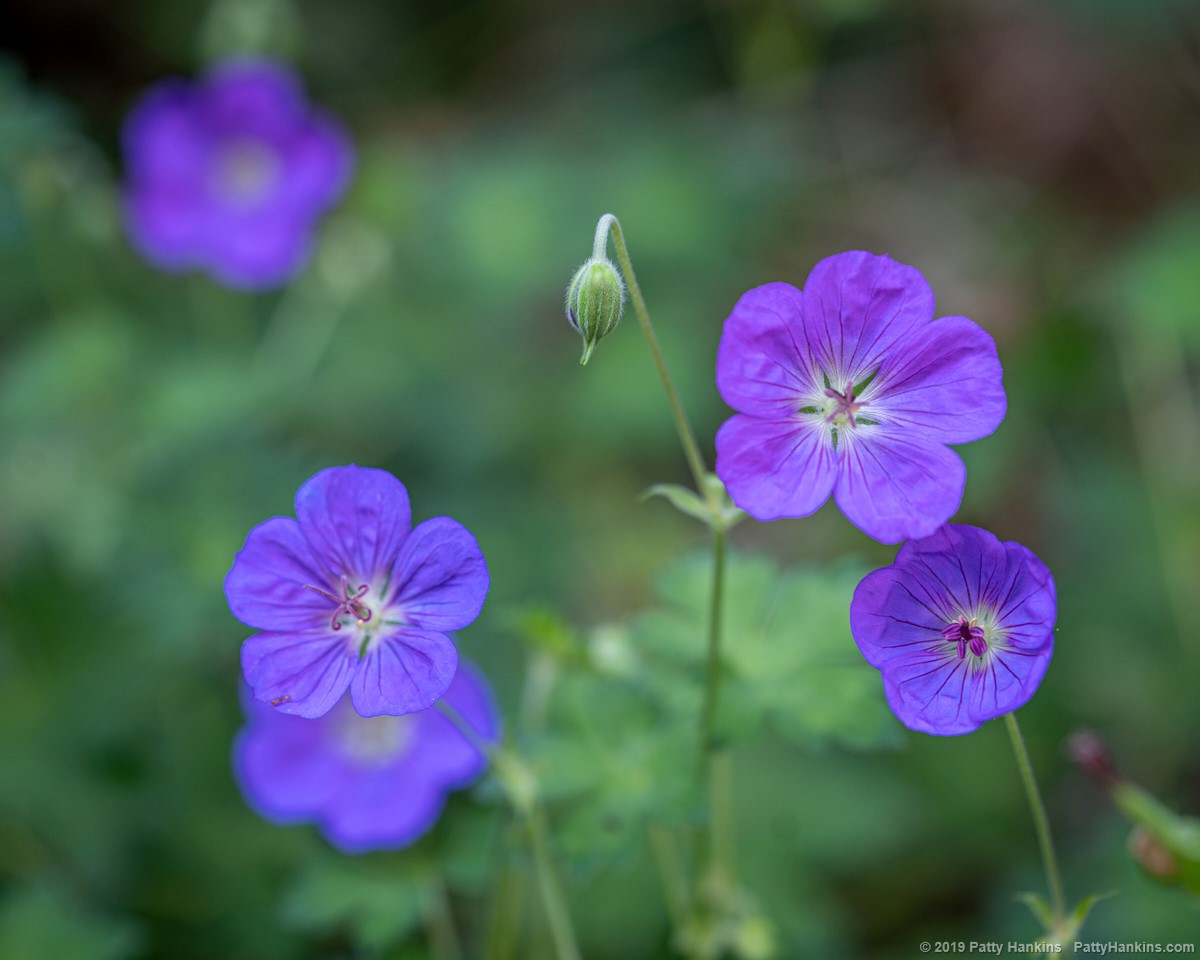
(595, 298)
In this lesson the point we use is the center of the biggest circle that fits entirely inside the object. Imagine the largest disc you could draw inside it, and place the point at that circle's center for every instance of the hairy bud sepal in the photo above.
(595, 299)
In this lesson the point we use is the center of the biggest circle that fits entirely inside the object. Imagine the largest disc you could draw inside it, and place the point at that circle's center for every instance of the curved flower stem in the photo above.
(687, 437)
(1041, 822)
(718, 869)
(521, 789)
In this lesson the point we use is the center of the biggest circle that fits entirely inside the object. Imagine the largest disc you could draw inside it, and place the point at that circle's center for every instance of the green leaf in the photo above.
(1040, 908)
(42, 922)
(683, 499)
(787, 654)
(377, 905)
(613, 766)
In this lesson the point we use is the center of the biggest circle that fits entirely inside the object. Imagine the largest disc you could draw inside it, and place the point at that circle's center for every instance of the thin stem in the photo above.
(687, 437)
(708, 714)
(525, 802)
(439, 924)
(507, 908)
(553, 903)
(1041, 822)
(722, 866)
(671, 873)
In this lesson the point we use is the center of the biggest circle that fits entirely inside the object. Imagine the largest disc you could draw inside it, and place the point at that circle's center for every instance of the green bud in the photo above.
(595, 298)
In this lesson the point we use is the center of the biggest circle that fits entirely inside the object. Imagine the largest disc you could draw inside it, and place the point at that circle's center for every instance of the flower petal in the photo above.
(320, 161)
(299, 673)
(441, 577)
(258, 98)
(763, 365)
(255, 249)
(162, 140)
(1007, 682)
(355, 518)
(776, 468)
(895, 487)
(927, 692)
(404, 672)
(438, 744)
(382, 808)
(282, 766)
(857, 306)
(265, 586)
(894, 614)
(944, 382)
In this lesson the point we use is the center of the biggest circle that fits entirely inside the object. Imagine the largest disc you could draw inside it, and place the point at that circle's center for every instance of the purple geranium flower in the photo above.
(228, 175)
(348, 596)
(848, 388)
(961, 626)
(371, 783)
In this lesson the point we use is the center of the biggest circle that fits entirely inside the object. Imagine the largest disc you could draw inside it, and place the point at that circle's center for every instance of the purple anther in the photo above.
(966, 633)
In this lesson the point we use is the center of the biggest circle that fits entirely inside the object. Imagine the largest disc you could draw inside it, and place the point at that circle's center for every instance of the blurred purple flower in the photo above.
(371, 783)
(349, 597)
(228, 175)
(848, 388)
(961, 626)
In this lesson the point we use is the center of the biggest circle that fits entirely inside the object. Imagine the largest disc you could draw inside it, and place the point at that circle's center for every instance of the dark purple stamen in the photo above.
(845, 404)
(349, 604)
(966, 633)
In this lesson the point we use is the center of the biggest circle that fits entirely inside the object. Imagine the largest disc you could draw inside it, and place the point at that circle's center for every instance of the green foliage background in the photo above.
(1039, 162)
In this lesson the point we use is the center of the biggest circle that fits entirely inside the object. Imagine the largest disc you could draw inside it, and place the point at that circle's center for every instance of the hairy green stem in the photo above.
(1041, 822)
(691, 449)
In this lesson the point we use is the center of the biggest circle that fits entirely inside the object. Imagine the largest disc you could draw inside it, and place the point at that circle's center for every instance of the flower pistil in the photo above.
(844, 406)
(349, 605)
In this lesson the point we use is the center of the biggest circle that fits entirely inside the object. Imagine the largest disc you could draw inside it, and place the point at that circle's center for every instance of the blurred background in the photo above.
(1039, 162)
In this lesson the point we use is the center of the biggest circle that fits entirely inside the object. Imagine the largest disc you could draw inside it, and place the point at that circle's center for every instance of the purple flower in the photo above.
(228, 175)
(371, 783)
(348, 596)
(850, 387)
(961, 626)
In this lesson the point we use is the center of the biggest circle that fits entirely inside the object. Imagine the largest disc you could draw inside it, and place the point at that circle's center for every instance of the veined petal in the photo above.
(928, 693)
(404, 672)
(894, 615)
(763, 366)
(355, 518)
(265, 586)
(1006, 682)
(857, 306)
(962, 564)
(894, 487)
(776, 468)
(943, 382)
(299, 673)
(441, 578)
